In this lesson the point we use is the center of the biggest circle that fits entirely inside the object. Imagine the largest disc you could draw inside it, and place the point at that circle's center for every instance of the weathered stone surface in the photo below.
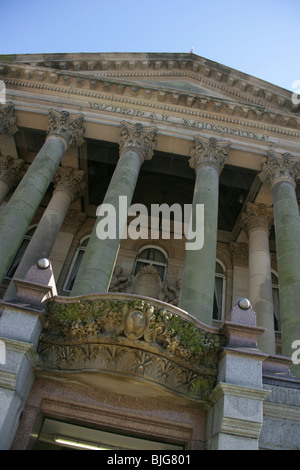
(133, 336)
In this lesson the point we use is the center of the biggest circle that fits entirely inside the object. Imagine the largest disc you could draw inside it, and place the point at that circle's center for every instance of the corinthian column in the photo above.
(280, 170)
(256, 222)
(197, 293)
(69, 185)
(64, 131)
(95, 271)
(11, 172)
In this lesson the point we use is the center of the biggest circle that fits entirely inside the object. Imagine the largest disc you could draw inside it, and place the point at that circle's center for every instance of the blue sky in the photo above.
(258, 37)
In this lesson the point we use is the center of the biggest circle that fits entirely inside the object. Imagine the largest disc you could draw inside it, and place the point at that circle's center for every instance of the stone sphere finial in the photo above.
(43, 263)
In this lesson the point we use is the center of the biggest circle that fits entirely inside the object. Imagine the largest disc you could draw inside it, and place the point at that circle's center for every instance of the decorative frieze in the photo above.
(7, 119)
(279, 167)
(131, 336)
(138, 138)
(257, 217)
(71, 181)
(209, 151)
(67, 126)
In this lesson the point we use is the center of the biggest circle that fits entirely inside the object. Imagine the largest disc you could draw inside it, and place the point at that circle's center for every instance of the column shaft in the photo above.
(287, 228)
(69, 185)
(197, 292)
(257, 221)
(4, 190)
(281, 170)
(21, 208)
(18, 213)
(98, 263)
(260, 287)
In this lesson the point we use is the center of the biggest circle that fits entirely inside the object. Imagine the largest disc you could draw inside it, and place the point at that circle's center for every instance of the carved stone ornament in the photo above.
(11, 170)
(209, 151)
(279, 167)
(7, 119)
(147, 282)
(257, 217)
(127, 335)
(138, 138)
(66, 125)
(69, 180)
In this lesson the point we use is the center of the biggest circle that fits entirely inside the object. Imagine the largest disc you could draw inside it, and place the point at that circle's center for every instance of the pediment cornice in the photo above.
(121, 77)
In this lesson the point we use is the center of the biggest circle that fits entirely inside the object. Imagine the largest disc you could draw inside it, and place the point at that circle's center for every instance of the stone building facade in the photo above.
(123, 329)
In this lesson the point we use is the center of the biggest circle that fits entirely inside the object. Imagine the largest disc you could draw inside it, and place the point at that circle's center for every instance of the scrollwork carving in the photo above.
(7, 119)
(279, 167)
(138, 138)
(131, 336)
(209, 151)
(257, 216)
(71, 181)
(67, 126)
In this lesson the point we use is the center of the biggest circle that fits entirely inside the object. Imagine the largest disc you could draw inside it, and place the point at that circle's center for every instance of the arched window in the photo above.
(152, 255)
(75, 264)
(276, 303)
(16, 261)
(219, 298)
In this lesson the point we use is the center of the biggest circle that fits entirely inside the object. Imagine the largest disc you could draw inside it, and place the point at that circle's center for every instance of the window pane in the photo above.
(218, 298)
(74, 270)
(152, 254)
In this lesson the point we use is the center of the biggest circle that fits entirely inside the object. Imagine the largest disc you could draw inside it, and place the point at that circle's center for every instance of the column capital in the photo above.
(11, 170)
(138, 138)
(71, 181)
(279, 167)
(209, 151)
(257, 217)
(7, 119)
(66, 125)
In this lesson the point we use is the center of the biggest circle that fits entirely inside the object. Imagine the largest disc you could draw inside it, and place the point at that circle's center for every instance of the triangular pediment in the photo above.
(182, 86)
(184, 80)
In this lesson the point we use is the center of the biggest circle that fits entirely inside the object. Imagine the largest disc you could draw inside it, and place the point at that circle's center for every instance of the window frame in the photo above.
(149, 262)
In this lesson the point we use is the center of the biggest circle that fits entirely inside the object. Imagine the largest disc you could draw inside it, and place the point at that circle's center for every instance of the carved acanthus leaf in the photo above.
(209, 151)
(257, 216)
(138, 138)
(71, 181)
(11, 170)
(279, 167)
(7, 119)
(67, 126)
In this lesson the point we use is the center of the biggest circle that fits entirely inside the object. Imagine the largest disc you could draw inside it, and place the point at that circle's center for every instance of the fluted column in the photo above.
(69, 185)
(280, 170)
(95, 271)
(197, 293)
(256, 222)
(64, 130)
(11, 172)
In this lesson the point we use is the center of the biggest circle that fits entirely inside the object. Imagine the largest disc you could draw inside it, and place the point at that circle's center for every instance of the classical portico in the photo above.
(143, 321)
